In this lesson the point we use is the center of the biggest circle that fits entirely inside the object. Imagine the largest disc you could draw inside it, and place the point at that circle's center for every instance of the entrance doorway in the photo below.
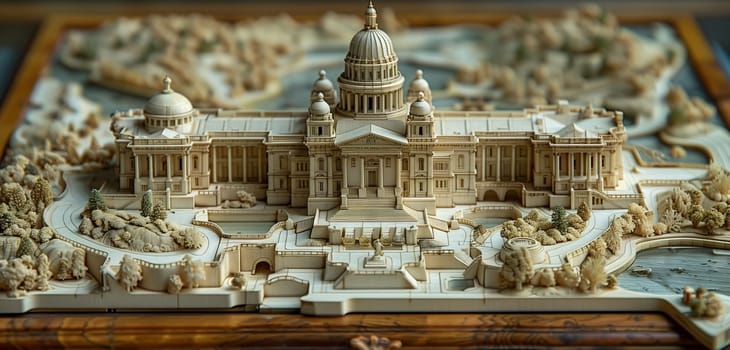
(372, 178)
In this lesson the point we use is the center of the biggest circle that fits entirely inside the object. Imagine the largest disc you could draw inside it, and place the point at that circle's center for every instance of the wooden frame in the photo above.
(413, 330)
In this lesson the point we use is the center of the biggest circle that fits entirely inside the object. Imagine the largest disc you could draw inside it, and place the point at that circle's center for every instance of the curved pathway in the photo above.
(64, 216)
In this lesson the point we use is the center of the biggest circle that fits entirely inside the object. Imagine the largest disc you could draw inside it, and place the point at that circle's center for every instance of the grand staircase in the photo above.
(372, 209)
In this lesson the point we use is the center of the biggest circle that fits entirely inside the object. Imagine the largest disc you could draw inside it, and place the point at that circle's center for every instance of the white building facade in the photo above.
(364, 145)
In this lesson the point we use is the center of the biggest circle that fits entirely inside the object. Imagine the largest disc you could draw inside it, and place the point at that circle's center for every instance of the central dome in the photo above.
(371, 86)
(168, 102)
(371, 46)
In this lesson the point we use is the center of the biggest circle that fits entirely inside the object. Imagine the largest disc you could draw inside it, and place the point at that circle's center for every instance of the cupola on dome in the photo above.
(168, 102)
(371, 45)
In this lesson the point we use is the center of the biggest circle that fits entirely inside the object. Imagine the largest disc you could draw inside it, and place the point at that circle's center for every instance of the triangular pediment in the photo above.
(370, 135)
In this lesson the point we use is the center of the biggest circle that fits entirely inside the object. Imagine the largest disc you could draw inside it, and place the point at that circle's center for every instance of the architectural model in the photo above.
(368, 200)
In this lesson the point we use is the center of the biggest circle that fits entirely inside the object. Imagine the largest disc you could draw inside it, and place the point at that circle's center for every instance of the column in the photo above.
(398, 170)
(484, 162)
(512, 166)
(345, 167)
(150, 171)
(499, 163)
(600, 173)
(230, 165)
(362, 173)
(184, 182)
(380, 191)
(380, 172)
(244, 165)
(412, 176)
(586, 168)
(363, 191)
(169, 169)
(429, 178)
(272, 166)
(136, 173)
(261, 163)
(529, 165)
(330, 173)
(312, 163)
(215, 164)
(571, 162)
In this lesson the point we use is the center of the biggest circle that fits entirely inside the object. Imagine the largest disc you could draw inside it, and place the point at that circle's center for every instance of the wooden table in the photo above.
(215, 330)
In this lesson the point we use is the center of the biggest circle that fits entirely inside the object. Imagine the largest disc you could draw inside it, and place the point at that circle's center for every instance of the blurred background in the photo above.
(20, 20)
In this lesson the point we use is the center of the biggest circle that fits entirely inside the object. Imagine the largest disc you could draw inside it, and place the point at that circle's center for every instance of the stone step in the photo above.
(371, 202)
(372, 214)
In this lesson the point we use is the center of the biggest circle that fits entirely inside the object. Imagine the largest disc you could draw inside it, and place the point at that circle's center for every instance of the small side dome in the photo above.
(319, 108)
(168, 110)
(168, 102)
(420, 107)
(419, 84)
(324, 86)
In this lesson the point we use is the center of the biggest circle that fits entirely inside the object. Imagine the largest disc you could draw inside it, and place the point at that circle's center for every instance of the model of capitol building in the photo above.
(168, 109)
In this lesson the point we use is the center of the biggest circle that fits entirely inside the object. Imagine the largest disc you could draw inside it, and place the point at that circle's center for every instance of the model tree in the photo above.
(174, 284)
(146, 205)
(584, 211)
(559, 220)
(193, 271)
(642, 224)
(593, 274)
(14, 196)
(681, 201)
(95, 201)
(41, 194)
(44, 272)
(130, 273)
(27, 247)
(516, 269)
(696, 214)
(158, 212)
(714, 219)
(78, 264)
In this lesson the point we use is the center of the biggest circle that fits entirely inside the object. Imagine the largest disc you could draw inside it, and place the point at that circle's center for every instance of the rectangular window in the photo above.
(404, 163)
(321, 186)
(421, 164)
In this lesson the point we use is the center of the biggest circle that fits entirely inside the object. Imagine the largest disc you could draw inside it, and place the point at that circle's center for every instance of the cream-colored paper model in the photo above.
(367, 200)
